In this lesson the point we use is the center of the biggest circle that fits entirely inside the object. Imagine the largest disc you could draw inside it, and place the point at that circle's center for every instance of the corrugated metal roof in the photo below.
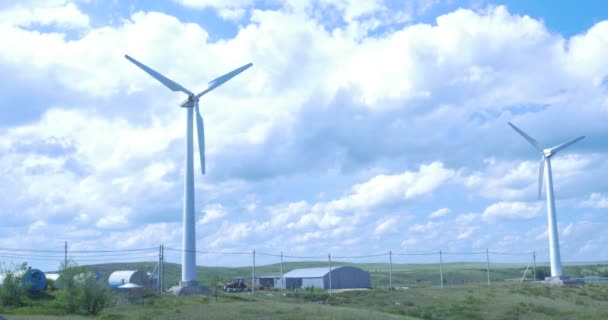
(309, 273)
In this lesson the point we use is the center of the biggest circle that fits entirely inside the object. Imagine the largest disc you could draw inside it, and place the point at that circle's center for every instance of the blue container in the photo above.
(34, 279)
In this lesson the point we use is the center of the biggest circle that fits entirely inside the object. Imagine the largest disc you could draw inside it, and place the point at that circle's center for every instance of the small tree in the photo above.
(95, 294)
(217, 287)
(12, 291)
(81, 290)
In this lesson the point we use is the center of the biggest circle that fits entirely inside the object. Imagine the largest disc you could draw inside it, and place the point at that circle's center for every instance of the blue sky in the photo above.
(362, 127)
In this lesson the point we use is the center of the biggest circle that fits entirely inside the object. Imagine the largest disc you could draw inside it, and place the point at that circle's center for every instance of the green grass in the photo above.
(466, 297)
(500, 301)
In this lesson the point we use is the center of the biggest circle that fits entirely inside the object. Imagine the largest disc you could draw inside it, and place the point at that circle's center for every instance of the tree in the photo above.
(12, 291)
(82, 290)
(216, 288)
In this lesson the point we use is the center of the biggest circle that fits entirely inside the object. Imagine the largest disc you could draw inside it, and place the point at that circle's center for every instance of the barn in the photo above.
(344, 277)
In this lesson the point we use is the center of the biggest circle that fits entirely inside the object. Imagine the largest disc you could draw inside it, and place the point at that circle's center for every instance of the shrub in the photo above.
(82, 291)
(13, 292)
(95, 295)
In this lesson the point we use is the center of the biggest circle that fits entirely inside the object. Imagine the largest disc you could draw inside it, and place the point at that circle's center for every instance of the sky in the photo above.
(362, 127)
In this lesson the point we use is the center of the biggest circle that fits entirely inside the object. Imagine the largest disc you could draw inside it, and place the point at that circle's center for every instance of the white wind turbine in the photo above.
(191, 103)
(545, 167)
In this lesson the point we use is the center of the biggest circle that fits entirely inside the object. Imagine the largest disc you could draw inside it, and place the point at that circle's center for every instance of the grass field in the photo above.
(466, 296)
(501, 301)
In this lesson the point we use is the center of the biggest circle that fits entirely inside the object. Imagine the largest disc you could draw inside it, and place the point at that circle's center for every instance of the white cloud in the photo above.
(230, 233)
(424, 227)
(512, 210)
(466, 233)
(596, 200)
(64, 15)
(230, 10)
(439, 213)
(213, 212)
(379, 190)
(323, 98)
(386, 225)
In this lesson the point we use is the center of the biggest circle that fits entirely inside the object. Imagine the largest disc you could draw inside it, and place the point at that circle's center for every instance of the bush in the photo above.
(82, 291)
(12, 292)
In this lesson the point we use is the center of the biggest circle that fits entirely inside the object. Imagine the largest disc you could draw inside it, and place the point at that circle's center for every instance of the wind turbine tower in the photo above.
(188, 284)
(545, 168)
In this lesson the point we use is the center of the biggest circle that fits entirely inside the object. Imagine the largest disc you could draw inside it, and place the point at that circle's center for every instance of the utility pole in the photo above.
(390, 270)
(65, 258)
(329, 257)
(441, 268)
(488, 265)
(534, 266)
(158, 270)
(253, 275)
(282, 279)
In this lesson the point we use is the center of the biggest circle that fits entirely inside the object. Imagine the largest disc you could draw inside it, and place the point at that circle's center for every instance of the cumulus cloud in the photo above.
(53, 13)
(230, 10)
(596, 200)
(424, 227)
(379, 190)
(212, 212)
(385, 225)
(439, 213)
(512, 210)
(393, 121)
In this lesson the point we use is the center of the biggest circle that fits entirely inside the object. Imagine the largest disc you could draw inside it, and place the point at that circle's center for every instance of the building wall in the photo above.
(341, 278)
(348, 278)
(313, 282)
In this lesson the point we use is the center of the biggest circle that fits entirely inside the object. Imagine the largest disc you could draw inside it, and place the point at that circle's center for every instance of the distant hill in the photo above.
(403, 274)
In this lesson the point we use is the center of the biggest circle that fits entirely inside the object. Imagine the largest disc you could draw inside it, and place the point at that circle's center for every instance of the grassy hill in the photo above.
(403, 274)
(470, 302)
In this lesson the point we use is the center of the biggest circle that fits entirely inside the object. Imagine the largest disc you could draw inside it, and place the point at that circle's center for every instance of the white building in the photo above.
(344, 277)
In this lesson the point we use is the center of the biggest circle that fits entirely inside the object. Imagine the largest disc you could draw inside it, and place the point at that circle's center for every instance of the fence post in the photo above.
(160, 255)
(534, 266)
(253, 275)
(488, 264)
(162, 265)
(441, 268)
(390, 270)
(329, 257)
(282, 279)
(525, 272)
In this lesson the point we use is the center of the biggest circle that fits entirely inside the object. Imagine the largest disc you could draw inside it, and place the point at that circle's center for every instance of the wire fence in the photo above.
(388, 269)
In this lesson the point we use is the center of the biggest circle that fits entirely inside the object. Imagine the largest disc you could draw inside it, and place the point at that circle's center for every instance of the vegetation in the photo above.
(82, 293)
(12, 292)
(473, 300)
(500, 301)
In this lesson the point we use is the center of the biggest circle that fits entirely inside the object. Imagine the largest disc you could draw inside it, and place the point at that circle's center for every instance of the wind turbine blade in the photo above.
(200, 130)
(527, 137)
(220, 80)
(541, 171)
(174, 86)
(555, 149)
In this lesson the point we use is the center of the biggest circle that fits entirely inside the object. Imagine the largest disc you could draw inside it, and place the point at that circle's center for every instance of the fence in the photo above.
(387, 270)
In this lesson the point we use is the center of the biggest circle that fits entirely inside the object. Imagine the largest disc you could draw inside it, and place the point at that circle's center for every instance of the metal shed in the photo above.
(119, 278)
(344, 277)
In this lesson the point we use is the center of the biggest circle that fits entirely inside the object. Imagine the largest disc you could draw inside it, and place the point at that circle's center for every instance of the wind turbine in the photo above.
(545, 168)
(191, 103)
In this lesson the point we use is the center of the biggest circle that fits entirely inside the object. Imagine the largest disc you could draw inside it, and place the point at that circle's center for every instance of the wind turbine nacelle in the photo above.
(188, 103)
